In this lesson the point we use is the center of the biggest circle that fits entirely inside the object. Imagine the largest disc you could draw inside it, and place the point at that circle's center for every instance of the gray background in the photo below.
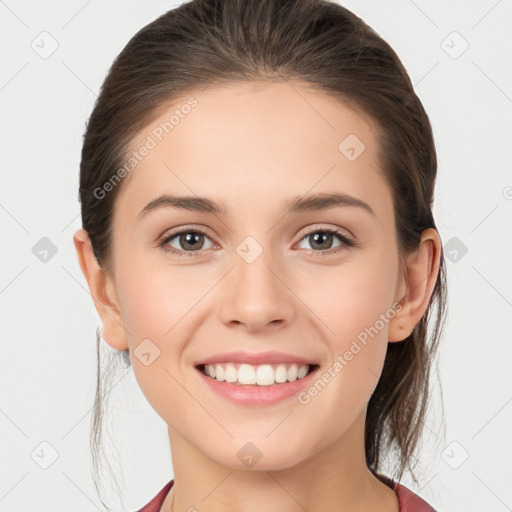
(47, 368)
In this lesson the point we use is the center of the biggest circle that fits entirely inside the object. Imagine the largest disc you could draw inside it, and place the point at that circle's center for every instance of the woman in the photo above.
(256, 184)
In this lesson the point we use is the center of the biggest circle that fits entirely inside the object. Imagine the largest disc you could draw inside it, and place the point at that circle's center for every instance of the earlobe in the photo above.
(420, 278)
(102, 290)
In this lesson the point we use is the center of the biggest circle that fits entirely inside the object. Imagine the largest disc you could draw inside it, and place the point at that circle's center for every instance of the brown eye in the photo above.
(321, 241)
(189, 241)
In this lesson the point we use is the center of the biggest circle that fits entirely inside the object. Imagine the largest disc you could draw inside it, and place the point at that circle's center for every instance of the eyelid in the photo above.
(193, 227)
(206, 231)
(320, 227)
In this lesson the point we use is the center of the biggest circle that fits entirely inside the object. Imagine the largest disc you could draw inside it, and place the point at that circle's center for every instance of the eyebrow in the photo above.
(297, 204)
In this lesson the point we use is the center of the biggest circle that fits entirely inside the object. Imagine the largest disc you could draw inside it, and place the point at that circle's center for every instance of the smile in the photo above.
(261, 385)
(260, 375)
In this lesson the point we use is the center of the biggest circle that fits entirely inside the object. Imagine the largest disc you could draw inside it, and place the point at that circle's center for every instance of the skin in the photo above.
(253, 146)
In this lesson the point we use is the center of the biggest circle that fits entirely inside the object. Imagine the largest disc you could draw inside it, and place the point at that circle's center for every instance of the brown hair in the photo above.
(325, 45)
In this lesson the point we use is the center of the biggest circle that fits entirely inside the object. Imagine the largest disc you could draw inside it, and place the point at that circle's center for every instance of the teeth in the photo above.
(262, 375)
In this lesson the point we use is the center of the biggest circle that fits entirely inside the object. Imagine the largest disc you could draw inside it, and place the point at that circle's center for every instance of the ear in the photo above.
(103, 292)
(420, 278)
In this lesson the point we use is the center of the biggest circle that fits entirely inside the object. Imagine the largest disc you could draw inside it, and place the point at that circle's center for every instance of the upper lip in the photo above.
(254, 358)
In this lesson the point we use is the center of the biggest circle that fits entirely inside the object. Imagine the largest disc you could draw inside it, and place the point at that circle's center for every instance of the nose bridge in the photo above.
(255, 292)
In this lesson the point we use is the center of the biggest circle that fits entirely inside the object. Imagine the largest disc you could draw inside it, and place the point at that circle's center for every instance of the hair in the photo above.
(324, 45)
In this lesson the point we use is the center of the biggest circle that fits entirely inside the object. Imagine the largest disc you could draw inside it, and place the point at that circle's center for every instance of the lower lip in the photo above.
(257, 395)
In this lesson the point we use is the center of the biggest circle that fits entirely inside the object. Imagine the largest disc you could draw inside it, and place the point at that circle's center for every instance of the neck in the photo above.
(335, 478)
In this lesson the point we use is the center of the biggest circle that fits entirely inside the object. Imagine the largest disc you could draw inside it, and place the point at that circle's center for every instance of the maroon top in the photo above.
(409, 502)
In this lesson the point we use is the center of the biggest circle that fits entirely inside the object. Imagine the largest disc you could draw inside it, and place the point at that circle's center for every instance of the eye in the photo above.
(322, 239)
(191, 240)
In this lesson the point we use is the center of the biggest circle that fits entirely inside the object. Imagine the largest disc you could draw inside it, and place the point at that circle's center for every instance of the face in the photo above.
(259, 275)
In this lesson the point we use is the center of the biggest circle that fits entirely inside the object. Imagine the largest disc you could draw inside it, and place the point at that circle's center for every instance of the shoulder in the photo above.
(409, 501)
(155, 504)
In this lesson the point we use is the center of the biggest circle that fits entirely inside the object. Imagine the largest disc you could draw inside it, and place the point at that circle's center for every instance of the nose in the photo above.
(256, 295)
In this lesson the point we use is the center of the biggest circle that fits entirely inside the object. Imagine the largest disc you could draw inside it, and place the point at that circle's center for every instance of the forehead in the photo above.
(252, 143)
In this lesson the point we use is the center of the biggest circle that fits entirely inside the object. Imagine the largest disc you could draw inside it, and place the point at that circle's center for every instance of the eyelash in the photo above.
(346, 242)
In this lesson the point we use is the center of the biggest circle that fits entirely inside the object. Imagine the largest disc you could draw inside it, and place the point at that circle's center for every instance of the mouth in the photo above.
(257, 385)
(263, 375)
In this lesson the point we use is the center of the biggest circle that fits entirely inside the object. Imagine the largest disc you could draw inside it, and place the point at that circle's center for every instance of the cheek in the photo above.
(154, 300)
(354, 303)
(352, 299)
(156, 306)
(158, 309)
